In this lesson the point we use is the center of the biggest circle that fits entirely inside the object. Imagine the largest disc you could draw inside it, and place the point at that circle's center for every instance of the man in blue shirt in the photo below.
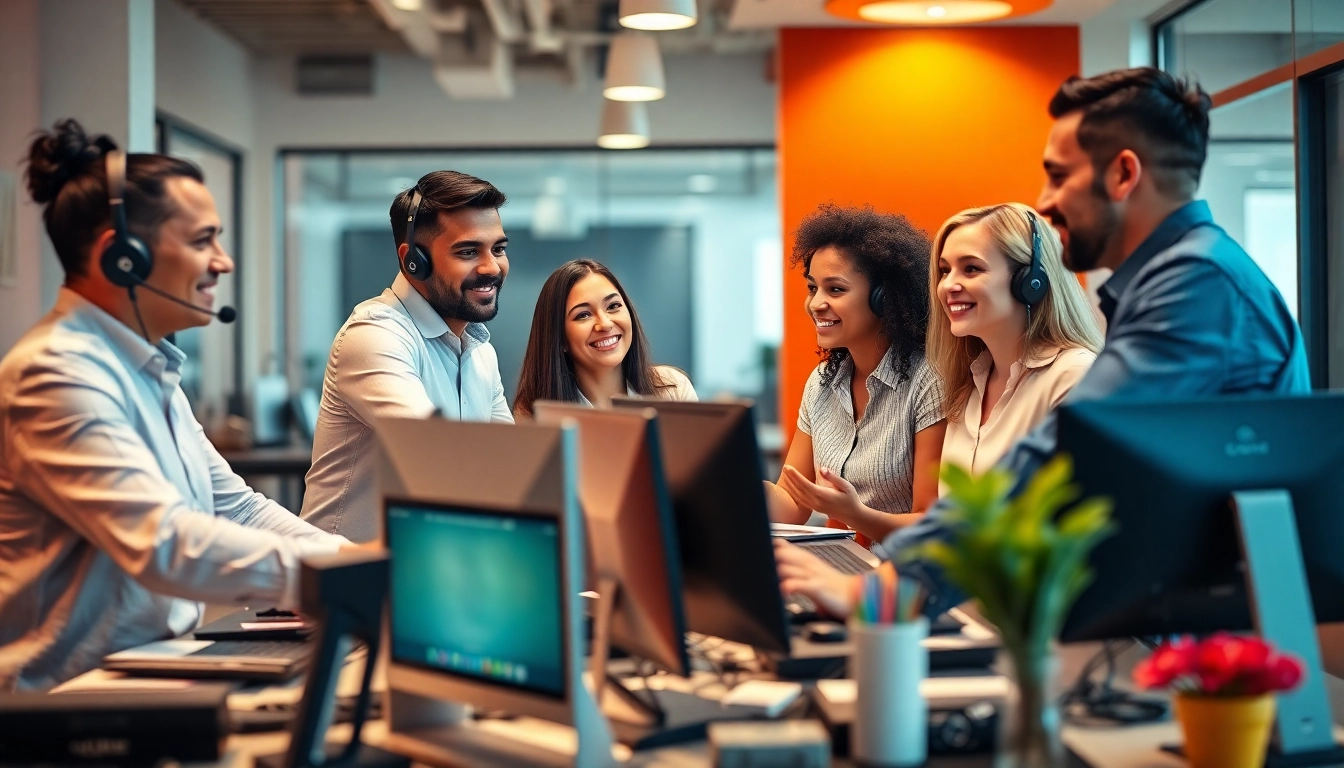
(1188, 313)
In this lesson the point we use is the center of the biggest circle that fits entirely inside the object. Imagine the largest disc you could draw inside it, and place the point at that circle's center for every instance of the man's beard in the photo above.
(455, 304)
(1086, 247)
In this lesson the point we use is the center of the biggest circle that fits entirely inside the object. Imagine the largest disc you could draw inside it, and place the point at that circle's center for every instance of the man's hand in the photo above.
(804, 573)
(832, 495)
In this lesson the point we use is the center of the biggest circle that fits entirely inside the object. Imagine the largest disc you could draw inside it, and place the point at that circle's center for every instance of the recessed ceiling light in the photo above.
(933, 11)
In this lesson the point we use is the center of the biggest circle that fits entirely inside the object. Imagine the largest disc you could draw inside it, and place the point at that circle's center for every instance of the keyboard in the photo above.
(840, 557)
(269, 649)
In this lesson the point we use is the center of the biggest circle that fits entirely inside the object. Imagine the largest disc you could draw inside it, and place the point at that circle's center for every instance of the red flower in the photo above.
(1168, 662)
(1220, 665)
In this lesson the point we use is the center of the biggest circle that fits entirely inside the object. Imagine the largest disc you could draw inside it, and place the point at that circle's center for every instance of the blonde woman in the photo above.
(1011, 331)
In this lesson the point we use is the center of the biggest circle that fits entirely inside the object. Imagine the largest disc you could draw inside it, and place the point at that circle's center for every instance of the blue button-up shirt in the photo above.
(117, 516)
(1189, 315)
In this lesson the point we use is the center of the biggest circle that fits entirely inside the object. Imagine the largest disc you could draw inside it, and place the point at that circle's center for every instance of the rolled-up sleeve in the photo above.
(76, 452)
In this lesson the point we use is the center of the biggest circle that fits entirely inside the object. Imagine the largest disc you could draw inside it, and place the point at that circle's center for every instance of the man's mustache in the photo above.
(483, 281)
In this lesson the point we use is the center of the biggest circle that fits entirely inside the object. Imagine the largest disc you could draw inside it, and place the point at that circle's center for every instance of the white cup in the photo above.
(891, 717)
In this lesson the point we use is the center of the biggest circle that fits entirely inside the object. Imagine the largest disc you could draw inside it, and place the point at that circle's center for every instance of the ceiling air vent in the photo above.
(335, 75)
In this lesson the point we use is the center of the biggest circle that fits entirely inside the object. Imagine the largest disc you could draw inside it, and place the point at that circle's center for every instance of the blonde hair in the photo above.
(1063, 319)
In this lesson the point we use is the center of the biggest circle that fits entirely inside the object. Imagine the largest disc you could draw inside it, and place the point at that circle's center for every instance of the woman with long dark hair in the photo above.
(587, 345)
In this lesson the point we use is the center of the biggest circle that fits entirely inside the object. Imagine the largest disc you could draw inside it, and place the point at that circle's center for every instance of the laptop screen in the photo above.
(478, 593)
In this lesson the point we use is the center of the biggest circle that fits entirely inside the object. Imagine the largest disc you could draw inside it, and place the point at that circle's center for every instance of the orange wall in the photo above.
(919, 122)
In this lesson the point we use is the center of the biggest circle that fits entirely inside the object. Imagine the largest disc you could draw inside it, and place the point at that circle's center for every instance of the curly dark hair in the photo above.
(888, 250)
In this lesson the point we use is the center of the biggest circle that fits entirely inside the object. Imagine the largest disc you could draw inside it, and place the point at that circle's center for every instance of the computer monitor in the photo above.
(483, 527)
(632, 537)
(723, 528)
(478, 594)
(1229, 515)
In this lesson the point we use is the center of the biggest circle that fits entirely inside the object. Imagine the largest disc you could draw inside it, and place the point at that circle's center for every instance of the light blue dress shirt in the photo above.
(395, 357)
(1189, 314)
(117, 516)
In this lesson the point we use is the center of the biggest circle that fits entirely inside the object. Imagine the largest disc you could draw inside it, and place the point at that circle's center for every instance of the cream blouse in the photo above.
(1036, 385)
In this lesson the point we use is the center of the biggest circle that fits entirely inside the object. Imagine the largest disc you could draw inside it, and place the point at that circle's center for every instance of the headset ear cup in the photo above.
(417, 263)
(876, 299)
(124, 260)
(1030, 285)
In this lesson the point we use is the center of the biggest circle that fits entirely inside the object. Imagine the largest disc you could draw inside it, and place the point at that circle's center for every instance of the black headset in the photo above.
(126, 262)
(417, 263)
(876, 297)
(1031, 283)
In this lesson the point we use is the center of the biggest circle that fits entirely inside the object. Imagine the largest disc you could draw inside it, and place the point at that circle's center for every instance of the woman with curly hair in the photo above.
(870, 425)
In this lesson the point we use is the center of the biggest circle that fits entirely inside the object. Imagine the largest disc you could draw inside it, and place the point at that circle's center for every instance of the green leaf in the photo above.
(1020, 558)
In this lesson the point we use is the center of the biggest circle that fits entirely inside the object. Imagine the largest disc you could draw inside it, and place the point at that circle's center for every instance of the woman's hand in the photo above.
(801, 572)
(832, 495)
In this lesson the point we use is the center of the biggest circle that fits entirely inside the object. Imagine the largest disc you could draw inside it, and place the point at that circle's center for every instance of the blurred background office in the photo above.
(308, 116)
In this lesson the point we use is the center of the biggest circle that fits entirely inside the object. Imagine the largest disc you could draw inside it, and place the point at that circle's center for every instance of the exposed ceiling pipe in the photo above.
(543, 38)
(504, 18)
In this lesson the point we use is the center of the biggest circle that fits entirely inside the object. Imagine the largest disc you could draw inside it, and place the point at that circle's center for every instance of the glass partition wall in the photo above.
(1273, 177)
(693, 235)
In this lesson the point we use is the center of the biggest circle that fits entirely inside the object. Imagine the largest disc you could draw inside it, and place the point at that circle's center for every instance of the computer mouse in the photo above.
(825, 631)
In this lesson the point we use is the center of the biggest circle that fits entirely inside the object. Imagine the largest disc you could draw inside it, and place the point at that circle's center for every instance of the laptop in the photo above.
(265, 660)
(257, 625)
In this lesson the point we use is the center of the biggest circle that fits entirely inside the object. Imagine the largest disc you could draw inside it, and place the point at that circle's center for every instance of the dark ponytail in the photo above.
(67, 175)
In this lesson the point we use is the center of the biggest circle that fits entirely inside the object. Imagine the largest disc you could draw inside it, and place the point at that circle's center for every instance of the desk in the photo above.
(287, 463)
(1104, 747)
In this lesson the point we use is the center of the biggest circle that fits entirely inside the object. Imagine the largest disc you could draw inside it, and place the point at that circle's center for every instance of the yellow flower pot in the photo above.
(1225, 732)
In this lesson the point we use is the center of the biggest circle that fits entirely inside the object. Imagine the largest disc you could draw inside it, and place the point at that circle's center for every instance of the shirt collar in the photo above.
(1171, 230)
(429, 322)
(886, 372)
(1041, 357)
(128, 344)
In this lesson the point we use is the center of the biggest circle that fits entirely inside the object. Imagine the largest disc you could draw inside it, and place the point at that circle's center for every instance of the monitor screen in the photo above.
(478, 593)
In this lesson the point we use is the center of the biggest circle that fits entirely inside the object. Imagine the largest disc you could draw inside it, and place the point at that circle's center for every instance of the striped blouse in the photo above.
(876, 454)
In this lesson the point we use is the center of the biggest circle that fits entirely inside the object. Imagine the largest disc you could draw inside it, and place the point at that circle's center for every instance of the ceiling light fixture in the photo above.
(658, 15)
(625, 125)
(925, 12)
(406, 5)
(634, 69)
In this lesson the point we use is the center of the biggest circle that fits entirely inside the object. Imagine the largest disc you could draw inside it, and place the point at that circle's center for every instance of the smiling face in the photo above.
(597, 324)
(837, 301)
(470, 254)
(1075, 200)
(973, 284)
(188, 260)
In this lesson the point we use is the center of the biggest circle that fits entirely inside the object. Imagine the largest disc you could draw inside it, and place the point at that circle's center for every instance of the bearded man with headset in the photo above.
(419, 348)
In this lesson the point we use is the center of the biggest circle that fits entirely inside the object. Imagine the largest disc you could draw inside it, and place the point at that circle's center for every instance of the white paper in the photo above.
(161, 649)
(934, 688)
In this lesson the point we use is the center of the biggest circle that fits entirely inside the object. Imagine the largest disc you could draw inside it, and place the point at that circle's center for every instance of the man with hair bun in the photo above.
(118, 519)
(1188, 313)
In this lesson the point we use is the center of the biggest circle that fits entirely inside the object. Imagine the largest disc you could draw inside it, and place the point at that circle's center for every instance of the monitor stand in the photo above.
(1276, 585)
(442, 733)
(653, 718)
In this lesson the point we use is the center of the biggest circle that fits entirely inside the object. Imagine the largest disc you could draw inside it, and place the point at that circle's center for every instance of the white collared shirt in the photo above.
(1035, 386)
(680, 389)
(117, 516)
(395, 357)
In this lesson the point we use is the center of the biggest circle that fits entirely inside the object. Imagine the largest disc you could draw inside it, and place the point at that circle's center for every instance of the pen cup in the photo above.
(890, 716)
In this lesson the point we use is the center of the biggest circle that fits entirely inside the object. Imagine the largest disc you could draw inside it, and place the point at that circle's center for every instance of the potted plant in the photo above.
(1224, 688)
(1024, 560)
